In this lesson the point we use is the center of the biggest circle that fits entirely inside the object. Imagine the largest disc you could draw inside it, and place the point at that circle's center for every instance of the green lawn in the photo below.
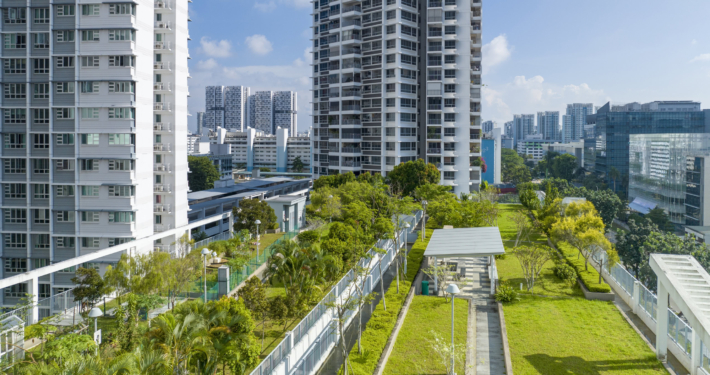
(574, 336)
(412, 352)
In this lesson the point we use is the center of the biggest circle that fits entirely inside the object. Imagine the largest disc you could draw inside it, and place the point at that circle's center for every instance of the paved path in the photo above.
(486, 326)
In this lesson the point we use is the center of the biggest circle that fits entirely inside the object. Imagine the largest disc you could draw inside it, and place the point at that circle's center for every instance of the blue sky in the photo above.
(539, 55)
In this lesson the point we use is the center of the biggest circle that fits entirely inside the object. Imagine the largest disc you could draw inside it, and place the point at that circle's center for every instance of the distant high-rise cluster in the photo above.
(575, 119)
(234, 108)
(523, 126)
(487, 126)
(548, 124)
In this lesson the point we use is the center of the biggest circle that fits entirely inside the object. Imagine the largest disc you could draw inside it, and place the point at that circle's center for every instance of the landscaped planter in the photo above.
(595, 295)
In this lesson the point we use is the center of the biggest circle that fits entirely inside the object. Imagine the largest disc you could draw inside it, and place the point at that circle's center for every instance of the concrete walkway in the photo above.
(484, 331)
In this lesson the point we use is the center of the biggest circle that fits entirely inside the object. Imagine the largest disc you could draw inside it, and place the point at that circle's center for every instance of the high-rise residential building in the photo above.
(487, 126)
(200, 122)
(385, 73)
(234, 108)
(89, 160)
(608, 154)
(548, 124)
(523, 126)
(508, 129)
(574, 120)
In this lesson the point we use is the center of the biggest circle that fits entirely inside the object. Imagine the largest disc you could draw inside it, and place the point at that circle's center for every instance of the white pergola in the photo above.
(464, 243)
(686, 282)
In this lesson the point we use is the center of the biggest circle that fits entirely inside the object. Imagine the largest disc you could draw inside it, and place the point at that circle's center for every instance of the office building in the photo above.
(380, 100)
(491, 146)
(506, 142)
(575, 149)
(548, 124)
(574, 120)
(614, 128)
(90, 157)
(508, 129)
(523, 127)
(234, 108)
(487, 126)
(532, 146)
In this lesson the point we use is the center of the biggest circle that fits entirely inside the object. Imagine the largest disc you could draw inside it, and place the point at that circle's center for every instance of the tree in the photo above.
(669, 243)
(517, 174)
(265, 169)
(431, 192)
(529, 199)
(298, 164)
(532, 259)
(90, 287)
(406, 177)
(600, 251)
(563, 166)
(523, 227)
(445, 352)
(253, 293)
(179, 273)
(607, 203)
(630, 244)
(251, 210)
(659, 217)
(614, 174)
(203, 173)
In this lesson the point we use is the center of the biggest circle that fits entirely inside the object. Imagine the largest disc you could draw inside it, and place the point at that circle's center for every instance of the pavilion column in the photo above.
(696, 354)
(33, 291)
(436, 278)
(662, 323)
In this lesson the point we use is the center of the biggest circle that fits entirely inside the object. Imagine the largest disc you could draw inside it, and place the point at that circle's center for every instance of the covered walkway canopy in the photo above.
(686, 282)
(464, 243)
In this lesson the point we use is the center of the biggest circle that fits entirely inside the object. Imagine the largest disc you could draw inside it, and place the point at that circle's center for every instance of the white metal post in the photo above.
(436, 278)
(33, 291)
(636, 296)
(696, 353)
(662, 323)
(453, 357)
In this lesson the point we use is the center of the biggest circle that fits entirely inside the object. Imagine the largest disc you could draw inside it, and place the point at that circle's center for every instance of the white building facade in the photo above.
(90, 158)
(548, 124)
(380, 100)
(574, 120)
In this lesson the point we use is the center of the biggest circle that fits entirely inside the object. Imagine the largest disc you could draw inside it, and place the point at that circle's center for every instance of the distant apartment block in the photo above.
(200, 122)
(574, 120)
(548, 124)
(487, 126)
(508, 129)
(523, 127)
(234, 108)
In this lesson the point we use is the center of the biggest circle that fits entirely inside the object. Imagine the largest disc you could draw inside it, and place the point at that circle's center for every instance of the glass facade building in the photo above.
(611, 137)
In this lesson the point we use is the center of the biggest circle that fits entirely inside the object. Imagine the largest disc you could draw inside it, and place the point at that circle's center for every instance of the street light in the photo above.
(96, 313)
(452, 289)
(406, 226)
(424, 203)
(257, 222)
(205, 253)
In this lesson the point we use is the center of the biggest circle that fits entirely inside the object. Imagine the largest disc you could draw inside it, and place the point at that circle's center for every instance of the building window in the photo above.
(121, 9)
(90, 216)
(65, 87)
(41, 91)
(39, 263)
(90, 36)
(121, 113)
(90, 114)
(41, 66)
(450, 30)
(449, 175)
(90, 191)
(65, 36)
(450, 15)
(450, 73)
(127, 87)
(40, 115)
(90, 9)
(41, 141)
(449, 117)
(16, 291)
(16, 241)
(15, 15)
(40, 40)
(65, 165)
(120, 165)
(65, 139)
(41, 15)
(122, 61)
(40, 166)
(121, 217)
(89, 165)
(15, 91)
(122, 139)
(90, 87)
(90, 61)
(121, 191)
(65, 216)
(41, 216)
(15, 191)
(15, 216)
(15, 66)
(14, 140)
(65, 113)
(65, 10)
(90, 241)
(14, 166)
(65, 191)
(66, 242)
(122, 35)
(65, 62)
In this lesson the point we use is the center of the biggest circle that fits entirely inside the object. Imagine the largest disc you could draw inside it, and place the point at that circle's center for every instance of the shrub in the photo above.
(565, 273)
(589, 276)
(500, 256)
(307, 237)
(506, 293)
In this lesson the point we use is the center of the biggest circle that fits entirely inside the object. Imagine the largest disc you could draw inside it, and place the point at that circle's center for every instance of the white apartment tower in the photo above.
(523, 126)
(396, 81)
(235, 109)
(574, 120)
(90, 157)
(548, 124)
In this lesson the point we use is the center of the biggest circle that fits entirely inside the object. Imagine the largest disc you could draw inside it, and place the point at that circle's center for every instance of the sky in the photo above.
(538, 55)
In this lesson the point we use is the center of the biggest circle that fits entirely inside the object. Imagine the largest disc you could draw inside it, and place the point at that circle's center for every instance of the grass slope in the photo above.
(412, 353)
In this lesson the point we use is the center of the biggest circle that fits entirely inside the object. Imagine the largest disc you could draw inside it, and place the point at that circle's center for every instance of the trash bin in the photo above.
(425, 287)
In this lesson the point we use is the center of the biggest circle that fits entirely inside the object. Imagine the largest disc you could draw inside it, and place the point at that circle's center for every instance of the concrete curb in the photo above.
(504, 336)
(380, 368)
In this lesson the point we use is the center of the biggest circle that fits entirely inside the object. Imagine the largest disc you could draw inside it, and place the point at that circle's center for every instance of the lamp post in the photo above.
(96, 313)
(452, 289)
(407, 226)
(205, 253)
(424, 203)
(257, 222)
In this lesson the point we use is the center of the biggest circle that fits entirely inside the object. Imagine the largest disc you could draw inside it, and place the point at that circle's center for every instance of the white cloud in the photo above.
(206, 64)
(214, 48)
(703, 57)
(307, 57)
(525, 95)
(298, 3)
(265, 6)
(496, 52)
(258, 44)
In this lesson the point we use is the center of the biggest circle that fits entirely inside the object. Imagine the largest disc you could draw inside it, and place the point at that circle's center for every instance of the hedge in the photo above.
(590, 276)
(379, 328)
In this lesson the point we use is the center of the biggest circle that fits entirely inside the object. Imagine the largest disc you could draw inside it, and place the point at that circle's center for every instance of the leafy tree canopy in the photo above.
(406, 177)
(203, 173)
(251, 210)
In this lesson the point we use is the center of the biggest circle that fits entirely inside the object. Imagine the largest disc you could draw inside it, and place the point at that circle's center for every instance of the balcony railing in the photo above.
(351, 23)
(433, 136)
(347, 51)
(162, 168)
(350, 135)
(161, 86)
(163, 5)
(161, 66)
(435, 4)
(354, 107)
(352, 65)
(162, 127)
(434, 32)
(162, 147)
(161, 106)
(434, 107)
(355, 93)
(433, 150)
(163, 25)
(162, 188)
(163, 45)
(356, 8)
(351, 149)
(162, 208)
(351, 164)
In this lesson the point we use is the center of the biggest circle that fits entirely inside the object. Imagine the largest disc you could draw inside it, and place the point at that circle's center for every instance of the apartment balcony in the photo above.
(476, 27)
(475, 69)
(476, 80)
(162, 107)
(162, 227)
(161, 4)
(163, 127)
(475, 93)
(449, 181)
(162, 168)
(353, 107)
(163, 248)
(475, 108)
(162, 208)
(435, 4)
(476, 55)
(162, 188)
(351, 25)
(161, 86)
(163, 25)
(351, 94)
(161, 66)
(351, 150)
(350, 52)
(433, 151)
(475, 43)
(349, 11)
(163, 46)
(351, 164)
(475, 174)
(161, 147)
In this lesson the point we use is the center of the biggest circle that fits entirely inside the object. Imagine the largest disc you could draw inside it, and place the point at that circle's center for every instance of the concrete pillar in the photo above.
(662, 323)
(33, 291)
(696, 354)
(231, 224)
(636, 297)
(223, 281)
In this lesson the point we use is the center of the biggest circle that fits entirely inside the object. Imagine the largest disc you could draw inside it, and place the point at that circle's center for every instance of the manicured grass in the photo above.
(548, 284)
(590, 276)
(381, 324)
(412, 352)
(507, 226)
(574, 336)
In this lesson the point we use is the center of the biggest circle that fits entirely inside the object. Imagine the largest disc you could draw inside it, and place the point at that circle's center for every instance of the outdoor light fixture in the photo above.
(424, 203)
(452, 289)
(96, 313)
(205, 253)
(257, 222)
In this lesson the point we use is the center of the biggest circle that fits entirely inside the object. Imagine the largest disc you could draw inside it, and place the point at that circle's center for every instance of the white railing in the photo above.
(305, 348)
(163, 45)
(161, 188)
(163, 5)
(162, 127)
(162, 167)
(218, 237)
(161, 147)
(161, 208)
(161, 106)
(162, 25)
(161, 66)
(58, 303)
(161, 86)
(162, 227)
